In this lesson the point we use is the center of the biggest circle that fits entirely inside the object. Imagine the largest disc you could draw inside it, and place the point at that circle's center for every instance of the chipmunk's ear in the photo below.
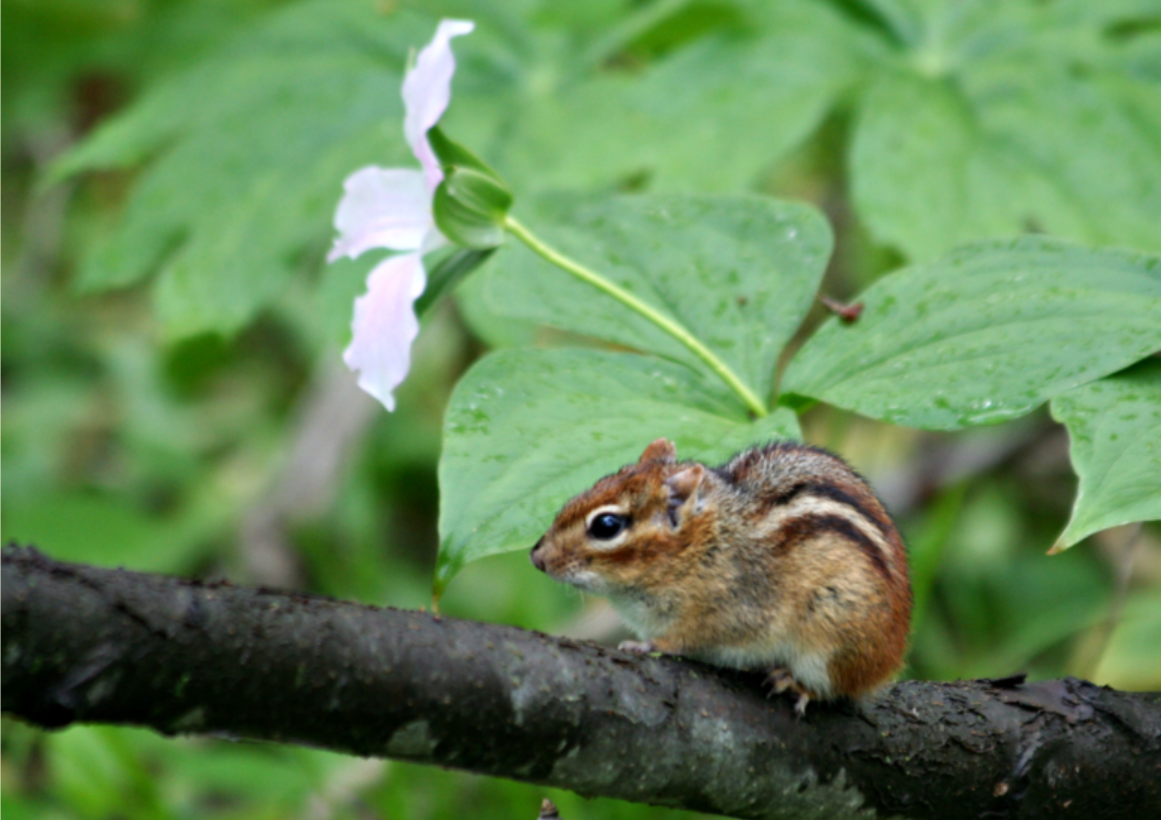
(682, 485)
(661, 450)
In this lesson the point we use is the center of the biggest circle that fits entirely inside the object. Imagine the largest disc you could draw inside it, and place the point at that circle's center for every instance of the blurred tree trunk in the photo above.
(82, 644)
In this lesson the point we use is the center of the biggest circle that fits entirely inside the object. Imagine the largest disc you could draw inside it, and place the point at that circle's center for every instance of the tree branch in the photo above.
(109, 646)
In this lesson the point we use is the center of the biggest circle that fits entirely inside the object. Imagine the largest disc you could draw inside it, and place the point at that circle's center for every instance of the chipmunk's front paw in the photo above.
(637, 647)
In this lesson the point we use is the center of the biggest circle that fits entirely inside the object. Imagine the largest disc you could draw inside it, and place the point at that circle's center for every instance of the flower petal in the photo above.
(382, 208)
(426, 92)
(385, 325)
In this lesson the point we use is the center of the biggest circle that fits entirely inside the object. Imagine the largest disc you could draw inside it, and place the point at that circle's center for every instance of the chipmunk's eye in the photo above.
(607, 526)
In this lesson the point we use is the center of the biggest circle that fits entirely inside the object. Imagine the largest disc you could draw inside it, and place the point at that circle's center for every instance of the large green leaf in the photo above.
(1004, 118)
(986, 334)
(924, 212)
(528, 429)
(710, 116)
(1114, 426)
(740, 272)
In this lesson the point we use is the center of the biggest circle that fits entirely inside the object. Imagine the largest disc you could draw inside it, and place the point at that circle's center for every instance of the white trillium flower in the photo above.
(391, 208)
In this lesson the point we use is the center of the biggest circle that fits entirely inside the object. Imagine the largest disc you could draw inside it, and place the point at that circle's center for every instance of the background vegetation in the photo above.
(173, 391)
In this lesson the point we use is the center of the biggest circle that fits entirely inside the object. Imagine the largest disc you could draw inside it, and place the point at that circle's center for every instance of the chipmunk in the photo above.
(781, 560)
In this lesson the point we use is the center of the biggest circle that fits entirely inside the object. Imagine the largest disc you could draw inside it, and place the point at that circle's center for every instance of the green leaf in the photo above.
(452, 156)
(1114, 427)
(920, 213)
(446, 275)
(713, 115)
(1002, 119)
(528, 429)
(902, 19)
(489, 327)
(985, 335)
(739, 272)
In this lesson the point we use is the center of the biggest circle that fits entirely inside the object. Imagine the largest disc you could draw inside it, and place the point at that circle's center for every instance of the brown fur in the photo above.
(782, 559)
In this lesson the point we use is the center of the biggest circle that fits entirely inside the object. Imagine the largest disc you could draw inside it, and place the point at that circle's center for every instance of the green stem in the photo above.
(630, 301)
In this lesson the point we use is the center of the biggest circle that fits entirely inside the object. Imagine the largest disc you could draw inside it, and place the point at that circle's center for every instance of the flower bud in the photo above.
(472, 201)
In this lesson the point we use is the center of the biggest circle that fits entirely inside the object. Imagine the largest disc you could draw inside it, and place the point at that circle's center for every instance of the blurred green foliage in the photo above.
(196, 424)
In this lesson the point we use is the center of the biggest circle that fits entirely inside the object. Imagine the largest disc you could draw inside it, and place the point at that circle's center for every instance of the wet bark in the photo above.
(82, 644)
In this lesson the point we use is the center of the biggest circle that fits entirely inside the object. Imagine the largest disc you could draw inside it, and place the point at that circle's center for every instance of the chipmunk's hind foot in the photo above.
(781, 680)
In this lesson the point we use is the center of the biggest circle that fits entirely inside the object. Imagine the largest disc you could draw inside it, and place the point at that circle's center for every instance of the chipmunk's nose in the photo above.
(538, 557)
